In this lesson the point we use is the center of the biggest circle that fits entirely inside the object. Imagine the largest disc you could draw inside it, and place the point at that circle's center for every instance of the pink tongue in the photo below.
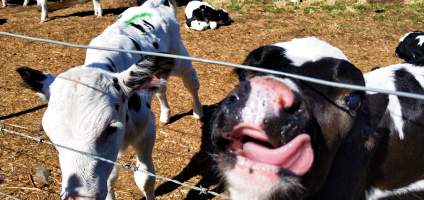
(296, 156)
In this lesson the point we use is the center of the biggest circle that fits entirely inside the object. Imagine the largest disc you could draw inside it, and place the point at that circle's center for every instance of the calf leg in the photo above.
(185, 70)
(97, 8)
(192, 84)
(3, 3)
(144, 150)
(43, 5)
(25, 2)
(165, 111)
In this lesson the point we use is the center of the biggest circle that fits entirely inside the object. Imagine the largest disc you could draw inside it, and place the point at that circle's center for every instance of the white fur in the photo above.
(421, 40)
(166, 34)
(376, 193)
(383, 78)
(313, 47)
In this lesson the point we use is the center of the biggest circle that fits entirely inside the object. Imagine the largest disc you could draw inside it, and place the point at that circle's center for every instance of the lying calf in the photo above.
(281, 138)
(100, 113)
(150, 27)
(411, 48)
(396, 170)
(201, 16)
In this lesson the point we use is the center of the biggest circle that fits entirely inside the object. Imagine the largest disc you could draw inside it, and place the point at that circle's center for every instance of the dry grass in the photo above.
(367, 33)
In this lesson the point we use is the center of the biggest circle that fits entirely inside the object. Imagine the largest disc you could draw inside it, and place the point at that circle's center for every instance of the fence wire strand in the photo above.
(126, 166)
(246, 67)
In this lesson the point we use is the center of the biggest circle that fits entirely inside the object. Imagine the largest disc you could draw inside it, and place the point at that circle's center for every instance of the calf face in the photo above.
(87, 111)
(411, 49)
(276, 137)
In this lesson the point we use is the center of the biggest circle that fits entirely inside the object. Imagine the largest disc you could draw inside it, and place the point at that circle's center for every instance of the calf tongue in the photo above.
(296, 156)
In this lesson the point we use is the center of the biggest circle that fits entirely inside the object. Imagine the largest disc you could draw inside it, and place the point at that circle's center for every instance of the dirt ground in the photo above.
(368, 34)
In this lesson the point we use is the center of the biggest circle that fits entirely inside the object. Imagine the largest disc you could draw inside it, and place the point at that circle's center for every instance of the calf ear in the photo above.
(37, 81)
(144, 74)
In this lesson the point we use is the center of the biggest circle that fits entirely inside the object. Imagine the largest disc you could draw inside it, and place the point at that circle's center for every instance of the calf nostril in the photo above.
(294, 107)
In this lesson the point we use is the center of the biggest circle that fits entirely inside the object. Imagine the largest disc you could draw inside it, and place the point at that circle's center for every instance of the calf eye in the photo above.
(109, 131)
(353, 101)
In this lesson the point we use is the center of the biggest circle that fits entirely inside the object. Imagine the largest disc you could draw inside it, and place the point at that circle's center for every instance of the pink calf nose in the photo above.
(267, 87)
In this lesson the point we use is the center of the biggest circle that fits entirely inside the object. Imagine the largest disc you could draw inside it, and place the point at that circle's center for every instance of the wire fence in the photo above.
(246, 67)
(125, 166)
(129, 167)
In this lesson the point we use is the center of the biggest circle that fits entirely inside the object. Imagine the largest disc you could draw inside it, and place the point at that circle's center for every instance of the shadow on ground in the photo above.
(201, 164)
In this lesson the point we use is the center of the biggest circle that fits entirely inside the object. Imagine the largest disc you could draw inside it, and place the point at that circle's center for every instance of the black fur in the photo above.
(134, 102)
(32, 78)
(409, 50)
(136, 45)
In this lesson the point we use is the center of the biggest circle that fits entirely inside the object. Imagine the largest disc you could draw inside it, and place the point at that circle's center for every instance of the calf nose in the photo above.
(273, 93)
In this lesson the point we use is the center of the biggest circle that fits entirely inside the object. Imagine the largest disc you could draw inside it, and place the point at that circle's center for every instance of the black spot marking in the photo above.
(112, 66)
(132, 73)
(116, 84)
(148, 105)
(250, 171)
(166, 3)
(136, 45)
(149, 25)
(123, 98)
(156, 45)
(127, 118)
(116, 107)
(137, 26)
(134, 102)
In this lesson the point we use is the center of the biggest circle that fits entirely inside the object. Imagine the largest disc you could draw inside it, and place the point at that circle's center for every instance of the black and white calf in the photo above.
(280, 138)
(411, 48)
(201, 16)
(397, 167)
(150, 27)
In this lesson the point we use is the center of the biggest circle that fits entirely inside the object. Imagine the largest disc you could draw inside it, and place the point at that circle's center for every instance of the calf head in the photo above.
(410, 48)
(87, 111)
(276, 137)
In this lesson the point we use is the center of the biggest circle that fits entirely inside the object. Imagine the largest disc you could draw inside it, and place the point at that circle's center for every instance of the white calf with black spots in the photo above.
(150, 27)
(100, 113)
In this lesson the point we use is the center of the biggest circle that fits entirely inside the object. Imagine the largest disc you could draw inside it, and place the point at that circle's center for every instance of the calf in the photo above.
(396, 170)
(411, 48)
(201, 16)
(150, 27)
(280, 138)
(101, 113)
(4, 3)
